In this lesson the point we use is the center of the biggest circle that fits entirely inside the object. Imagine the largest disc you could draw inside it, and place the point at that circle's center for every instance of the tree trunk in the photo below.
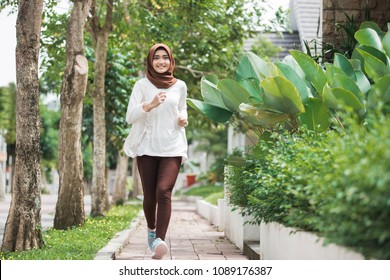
(99, 183)
(70, 203)
(23, 227)
(99, 186)
(137, 184)
(119, 196)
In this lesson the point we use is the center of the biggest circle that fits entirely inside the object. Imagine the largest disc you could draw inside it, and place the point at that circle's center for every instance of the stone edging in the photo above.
(116, 244)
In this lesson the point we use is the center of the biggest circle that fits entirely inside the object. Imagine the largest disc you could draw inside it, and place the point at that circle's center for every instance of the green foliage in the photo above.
(217, 170)
(297, 91)
(335, 184)
(261, 97)
(346, 31)
(212, 143)
(50, 122)
(213, 198)
(79, 243)
(7, 113)
(206, 36)
(210, 193)
(87, 159)
(203, 190)
(264, 48)
(240, 178)
(356, 209)
(119, 80)
(53, 52)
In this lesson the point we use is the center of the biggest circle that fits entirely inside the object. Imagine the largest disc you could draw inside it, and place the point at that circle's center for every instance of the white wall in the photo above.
(282, 243)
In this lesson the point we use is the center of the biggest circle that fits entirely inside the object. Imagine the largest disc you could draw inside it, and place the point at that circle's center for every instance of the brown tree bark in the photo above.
(70, 203)
(99, 183)
(119, 195)
(137, 184)
(23, 227)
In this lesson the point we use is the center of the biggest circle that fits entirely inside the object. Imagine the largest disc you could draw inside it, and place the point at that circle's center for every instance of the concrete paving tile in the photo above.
(236, 257)
(186, 258)
(182, 249)
(205, 241)
(189, 237)
(211, 257)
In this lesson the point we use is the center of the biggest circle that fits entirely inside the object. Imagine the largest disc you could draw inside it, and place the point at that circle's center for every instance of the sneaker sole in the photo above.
(160, 251)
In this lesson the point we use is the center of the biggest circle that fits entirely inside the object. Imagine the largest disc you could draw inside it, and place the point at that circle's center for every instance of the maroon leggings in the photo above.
(158, 177)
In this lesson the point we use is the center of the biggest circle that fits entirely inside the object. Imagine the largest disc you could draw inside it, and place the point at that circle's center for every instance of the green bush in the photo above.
(334, 183)
(356, 208)
(242, 174)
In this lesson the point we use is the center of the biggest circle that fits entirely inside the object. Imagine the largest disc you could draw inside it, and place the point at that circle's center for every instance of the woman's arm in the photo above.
(134, 109)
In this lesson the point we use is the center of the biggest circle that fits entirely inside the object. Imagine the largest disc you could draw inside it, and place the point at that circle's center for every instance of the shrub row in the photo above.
(336, 184)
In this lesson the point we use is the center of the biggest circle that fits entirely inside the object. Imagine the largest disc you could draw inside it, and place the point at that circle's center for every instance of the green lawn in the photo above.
(80, 243)
(210, 193)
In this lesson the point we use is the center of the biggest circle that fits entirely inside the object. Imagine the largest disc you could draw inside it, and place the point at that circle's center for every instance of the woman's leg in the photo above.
(148, 170)
(168, 171)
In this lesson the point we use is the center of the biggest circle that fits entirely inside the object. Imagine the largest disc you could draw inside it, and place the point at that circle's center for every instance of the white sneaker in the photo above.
(160, 248)
(151, 238)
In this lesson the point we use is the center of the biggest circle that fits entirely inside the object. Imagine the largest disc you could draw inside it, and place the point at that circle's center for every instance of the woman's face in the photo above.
(161, 61)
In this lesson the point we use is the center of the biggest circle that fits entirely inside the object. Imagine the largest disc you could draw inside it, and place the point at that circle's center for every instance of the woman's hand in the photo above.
(157, 100)
(182, 122)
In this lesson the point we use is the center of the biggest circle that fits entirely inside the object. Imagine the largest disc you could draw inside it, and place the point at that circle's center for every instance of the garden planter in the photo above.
(237, 229)
(212, 213)
(278, 242)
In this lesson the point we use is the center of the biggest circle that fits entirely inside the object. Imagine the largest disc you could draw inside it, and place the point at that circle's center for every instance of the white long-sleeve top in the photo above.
(157, 133)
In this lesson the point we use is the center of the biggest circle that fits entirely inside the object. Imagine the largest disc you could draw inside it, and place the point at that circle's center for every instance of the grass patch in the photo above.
(210, 193)
(213, 198)
(80, 243)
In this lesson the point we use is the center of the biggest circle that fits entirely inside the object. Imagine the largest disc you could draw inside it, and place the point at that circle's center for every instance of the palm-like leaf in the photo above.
(262, 117)
(214, 113)
(281, 95)
(316, 116)
(233, 94)
(314, 73)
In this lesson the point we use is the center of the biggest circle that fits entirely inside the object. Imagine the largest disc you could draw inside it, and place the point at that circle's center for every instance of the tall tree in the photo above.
(100, 33)
(23, 227)
(119, 195)
(70, 204)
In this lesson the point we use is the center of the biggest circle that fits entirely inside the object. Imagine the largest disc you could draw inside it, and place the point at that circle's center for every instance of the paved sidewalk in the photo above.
(189, 237)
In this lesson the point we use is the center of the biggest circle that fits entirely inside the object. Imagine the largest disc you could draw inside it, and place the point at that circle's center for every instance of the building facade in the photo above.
(335, 11)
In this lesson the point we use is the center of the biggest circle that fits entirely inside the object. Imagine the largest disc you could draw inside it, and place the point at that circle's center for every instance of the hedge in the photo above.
(335, 183)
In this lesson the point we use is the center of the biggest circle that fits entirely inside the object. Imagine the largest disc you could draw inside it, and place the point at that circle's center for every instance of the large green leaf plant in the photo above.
(297, 91)
(373, 52)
